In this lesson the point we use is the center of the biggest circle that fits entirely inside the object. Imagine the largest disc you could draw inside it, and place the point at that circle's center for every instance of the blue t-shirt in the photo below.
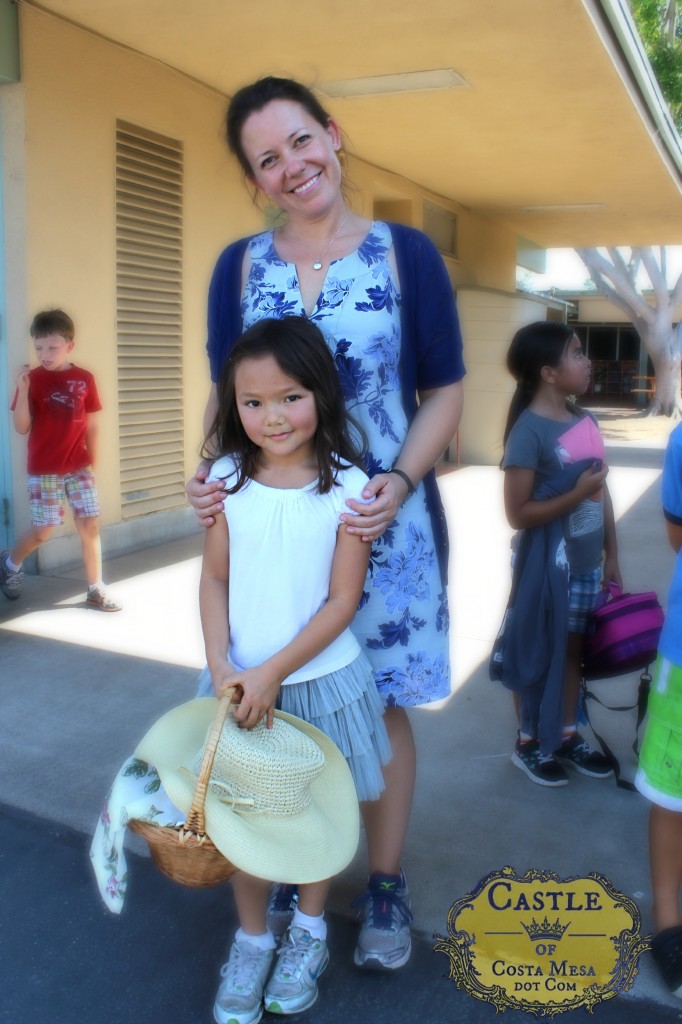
(549, 446)
(671, 638)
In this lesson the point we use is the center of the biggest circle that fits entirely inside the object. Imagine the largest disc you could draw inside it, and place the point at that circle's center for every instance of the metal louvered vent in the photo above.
(149, 319)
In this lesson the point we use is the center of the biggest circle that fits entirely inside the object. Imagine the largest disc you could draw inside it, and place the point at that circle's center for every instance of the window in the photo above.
(441, 227)
(602, 342)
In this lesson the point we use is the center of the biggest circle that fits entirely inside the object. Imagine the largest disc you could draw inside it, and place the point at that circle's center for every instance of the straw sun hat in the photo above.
(281, 803)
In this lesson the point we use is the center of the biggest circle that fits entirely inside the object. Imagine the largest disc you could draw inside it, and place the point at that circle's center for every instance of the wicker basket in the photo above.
(186, 853)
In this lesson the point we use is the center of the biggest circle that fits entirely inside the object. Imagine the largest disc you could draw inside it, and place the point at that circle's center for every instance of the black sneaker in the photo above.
(576, 753)
(666, 950)
(543, 770)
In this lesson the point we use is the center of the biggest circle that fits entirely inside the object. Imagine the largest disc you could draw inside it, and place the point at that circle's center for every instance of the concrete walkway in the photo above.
(80, 688)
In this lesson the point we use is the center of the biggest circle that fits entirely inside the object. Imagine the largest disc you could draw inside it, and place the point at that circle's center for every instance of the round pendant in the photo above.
(317, 265)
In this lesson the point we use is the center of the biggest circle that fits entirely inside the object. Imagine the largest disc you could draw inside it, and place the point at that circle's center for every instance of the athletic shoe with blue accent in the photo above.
(384, 943)
(293, 985)
(240, 996)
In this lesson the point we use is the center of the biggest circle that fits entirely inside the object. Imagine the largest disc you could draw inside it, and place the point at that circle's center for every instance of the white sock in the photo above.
(265, 941)
(96, 586)
(524, 737)
(11, 566)
(317, 926)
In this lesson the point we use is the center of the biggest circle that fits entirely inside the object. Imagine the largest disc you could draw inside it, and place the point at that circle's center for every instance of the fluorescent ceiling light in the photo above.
(567, 207)
(411, 81)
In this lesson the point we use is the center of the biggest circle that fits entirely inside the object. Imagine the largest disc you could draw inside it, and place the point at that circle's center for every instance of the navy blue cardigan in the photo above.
(431, 341)
(529, 654)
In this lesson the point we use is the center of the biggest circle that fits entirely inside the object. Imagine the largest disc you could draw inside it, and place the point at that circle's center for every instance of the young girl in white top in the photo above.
(280, 584)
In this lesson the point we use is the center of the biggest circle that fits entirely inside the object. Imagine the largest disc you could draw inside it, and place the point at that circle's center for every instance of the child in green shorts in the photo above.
(659, 777)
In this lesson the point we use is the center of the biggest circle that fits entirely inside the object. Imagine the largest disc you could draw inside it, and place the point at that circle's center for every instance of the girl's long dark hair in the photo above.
(301, 352)
(542, 343)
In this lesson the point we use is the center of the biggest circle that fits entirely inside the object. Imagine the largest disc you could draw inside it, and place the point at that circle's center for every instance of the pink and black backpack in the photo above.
(622, 637)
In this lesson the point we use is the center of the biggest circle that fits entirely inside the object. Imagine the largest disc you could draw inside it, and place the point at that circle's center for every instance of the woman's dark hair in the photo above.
(301, 352)
(254, 97)
(542, 343)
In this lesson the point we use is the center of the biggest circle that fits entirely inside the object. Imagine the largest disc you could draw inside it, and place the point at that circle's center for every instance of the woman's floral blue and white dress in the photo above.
(402, 622)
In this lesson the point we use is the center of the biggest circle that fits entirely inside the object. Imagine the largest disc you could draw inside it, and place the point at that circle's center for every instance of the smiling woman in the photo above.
(382, 298)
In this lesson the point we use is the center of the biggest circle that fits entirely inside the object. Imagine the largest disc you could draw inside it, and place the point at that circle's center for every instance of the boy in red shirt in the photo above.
(55, 405)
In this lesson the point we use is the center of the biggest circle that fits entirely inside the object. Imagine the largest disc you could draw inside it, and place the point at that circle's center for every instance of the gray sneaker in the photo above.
(240, 996)
(384, 943)
(293, 985)
(10, 580)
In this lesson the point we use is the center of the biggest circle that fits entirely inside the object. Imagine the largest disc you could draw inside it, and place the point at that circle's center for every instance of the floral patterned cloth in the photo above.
(136, 793)
(402, 623)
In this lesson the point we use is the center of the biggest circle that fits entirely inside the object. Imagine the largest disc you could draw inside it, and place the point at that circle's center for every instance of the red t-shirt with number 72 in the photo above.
(59, 402)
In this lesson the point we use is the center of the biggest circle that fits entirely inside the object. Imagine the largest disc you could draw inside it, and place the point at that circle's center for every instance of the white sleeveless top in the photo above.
(282, 545)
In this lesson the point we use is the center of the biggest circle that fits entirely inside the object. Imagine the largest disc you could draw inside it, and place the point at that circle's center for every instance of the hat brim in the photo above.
(308, 847)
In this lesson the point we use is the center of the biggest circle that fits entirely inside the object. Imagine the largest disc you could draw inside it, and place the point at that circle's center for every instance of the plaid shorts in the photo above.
(48, 495)
(583, 590)
(659, 775)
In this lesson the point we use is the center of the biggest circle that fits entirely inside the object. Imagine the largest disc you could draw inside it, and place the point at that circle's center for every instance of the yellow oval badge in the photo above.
(543, 944)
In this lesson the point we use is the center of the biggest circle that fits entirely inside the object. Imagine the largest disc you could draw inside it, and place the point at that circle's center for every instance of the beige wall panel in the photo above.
(488, 377)
(487, 385)
(487, 302)
(595, 309)
(598, 310)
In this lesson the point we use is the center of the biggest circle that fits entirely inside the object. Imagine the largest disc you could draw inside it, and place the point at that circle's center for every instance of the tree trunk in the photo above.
(653, 317)
(665, 355)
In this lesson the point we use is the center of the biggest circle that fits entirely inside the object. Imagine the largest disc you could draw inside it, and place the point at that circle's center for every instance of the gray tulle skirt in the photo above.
(346, 707)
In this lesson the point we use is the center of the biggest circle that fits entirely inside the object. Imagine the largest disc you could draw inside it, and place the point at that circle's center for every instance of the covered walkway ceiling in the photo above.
(550, 135)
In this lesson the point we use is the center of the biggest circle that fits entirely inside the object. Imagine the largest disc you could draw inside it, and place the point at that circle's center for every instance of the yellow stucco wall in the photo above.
(491, 319)
(74, 88)
(59, 128)
(486, 252)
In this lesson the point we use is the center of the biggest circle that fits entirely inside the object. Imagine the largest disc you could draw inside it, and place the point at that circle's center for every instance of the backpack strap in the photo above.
(640, 705)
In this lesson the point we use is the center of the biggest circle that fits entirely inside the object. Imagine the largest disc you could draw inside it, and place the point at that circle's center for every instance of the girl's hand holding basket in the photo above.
(259, 689)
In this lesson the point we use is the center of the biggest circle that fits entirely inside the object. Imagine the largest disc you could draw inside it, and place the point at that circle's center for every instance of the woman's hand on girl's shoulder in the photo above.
(370, 520)
(206, 499)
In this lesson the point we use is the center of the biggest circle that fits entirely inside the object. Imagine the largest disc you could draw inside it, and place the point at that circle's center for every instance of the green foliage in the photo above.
(659, 23)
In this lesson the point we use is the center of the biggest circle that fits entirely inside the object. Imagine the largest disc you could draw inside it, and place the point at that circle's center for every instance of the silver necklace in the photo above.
(317, 263)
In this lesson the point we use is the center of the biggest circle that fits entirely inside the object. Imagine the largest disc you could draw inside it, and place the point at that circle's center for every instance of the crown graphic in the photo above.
(545, 929)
